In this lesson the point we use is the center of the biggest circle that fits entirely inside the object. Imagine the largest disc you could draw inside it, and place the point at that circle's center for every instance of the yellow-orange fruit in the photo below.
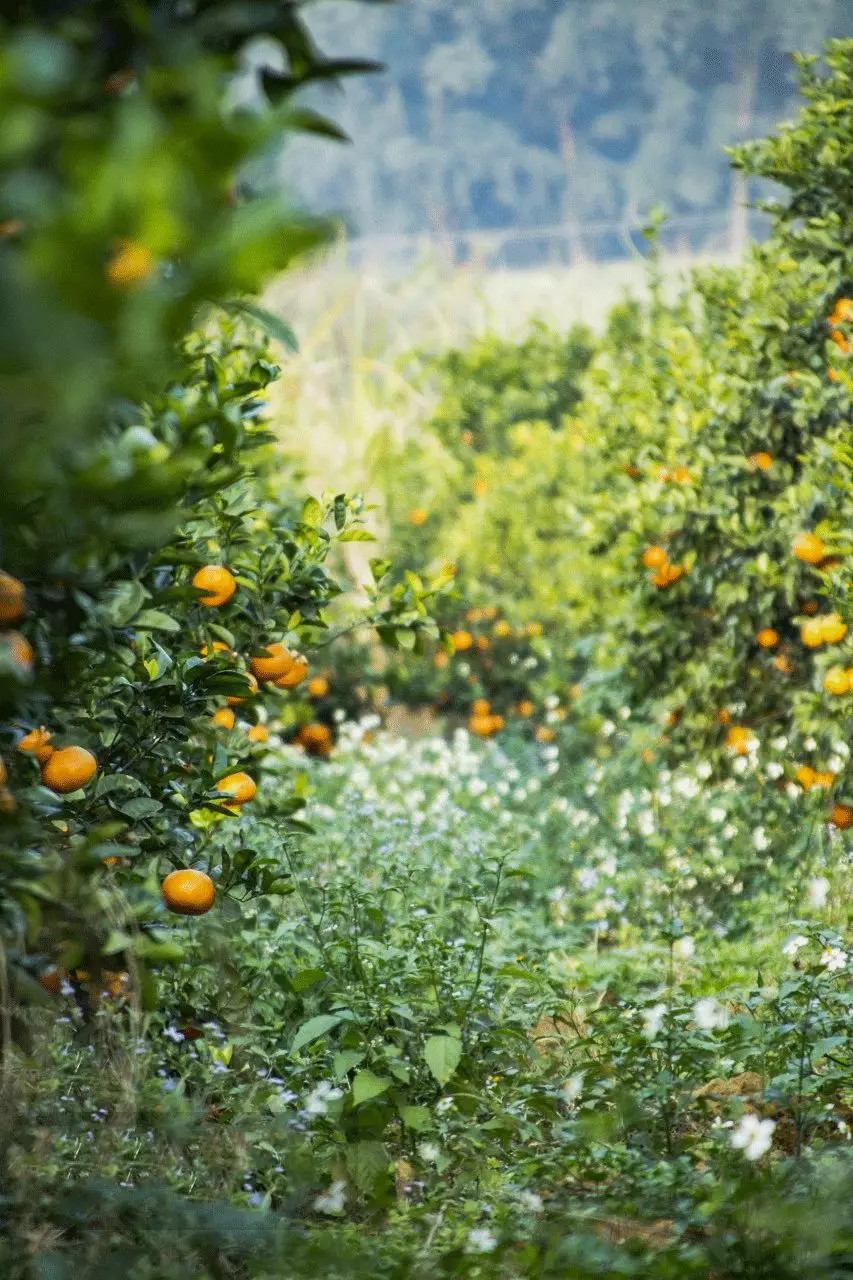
(842, 816)
(223, 718)
(783, 663)
(824, 778)
(37, 743)
(481, 707)
(418, 516)
(544, 733)
(13, 603)
(218, 646)
(738, 739)
(525, 707)
(843, 311)
(811, 633)
(833, 630)
(258, 733)
(481, 726)
(841, 342)
(238, 788)
(69, 769)
(498, 723)
(130, 265)
(441, 659)
(809, 548)
(502, 629)
(533, 630)
(318, 687)
(273, 663)
(767, 638)
(836, 681)
(462, 640)
(655, 557)
(188, 892)
(762, 461)
(667, 575)
(806, 776)
(295, 675)
(251, 690)
(19, 650)
(315, 739)
(218, 584)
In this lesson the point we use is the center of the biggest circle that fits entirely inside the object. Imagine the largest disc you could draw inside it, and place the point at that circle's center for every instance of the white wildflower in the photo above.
(652, 1019)
(482, 1240)
(683, 948)
(817, 891)
(833, 959)
(331, 1201)
(710, 1015)
(793, 945)
(753, 1137)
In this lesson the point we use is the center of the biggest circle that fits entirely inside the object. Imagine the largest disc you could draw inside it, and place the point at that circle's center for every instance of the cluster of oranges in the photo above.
(664, 574)
(842, 314)
(66, 769)
(315, 739)
(483, 722)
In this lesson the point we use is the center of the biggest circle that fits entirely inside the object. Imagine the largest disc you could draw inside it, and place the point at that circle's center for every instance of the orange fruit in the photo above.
(481, 726)
(647, 755)
(667, 575)
(19, 650)
(809, 548)
(218, 646)
(480, 487)
(418, 516)
(239, 788)
(251, 690)
(724, 716)
(738, 739)
(832, 628)
(840, 341)
(767, 638)
(481, 707)
(811, 633)
(467, 437)
(824, 778)
(218, 584)
(131, 264)
(258, 733)
(462, 640)
(809, 607)
(783, 663)
(498, 723)
(482, 642)
(544, 733)
(762, 461)
(295, 675)
(188, 892)
(441, 659)
(842, 816)
(836, 681)
(843, 311)
(69, 769)
(223, 718)
(655, 557)
(664, 474)
(13, 603)
(533, 630)
(51, 980)
(474, 615)
(502, 629)
(525, 707)
(37, 743)
(315, 739)
(318, 687)
(833, 375)
(806, 776)
(274, 662)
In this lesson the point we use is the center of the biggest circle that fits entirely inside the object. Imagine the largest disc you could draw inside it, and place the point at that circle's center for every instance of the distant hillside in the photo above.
(528, 113)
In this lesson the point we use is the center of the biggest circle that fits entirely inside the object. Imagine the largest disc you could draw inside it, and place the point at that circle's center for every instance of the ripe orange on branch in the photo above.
(836, 681)
(188, 892)
(251, 690)
(809, 548)
(13, 604)
(274, 662)
(37, 743)
(832, 628)
(218, 583)
(767, 638)
(655, 557)
(295, 675)
(69, 769)
(239, 788)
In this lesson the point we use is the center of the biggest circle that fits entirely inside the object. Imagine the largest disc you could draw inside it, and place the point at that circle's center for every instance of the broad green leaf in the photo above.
(366, 1086)
(305, 978)
(314, 1028)
(366, 1162)
(346, 1060)
(417, 1118)
(442, 1054)
(155, 620)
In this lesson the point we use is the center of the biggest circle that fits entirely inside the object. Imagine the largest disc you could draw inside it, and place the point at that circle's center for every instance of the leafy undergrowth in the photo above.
(516, 1018)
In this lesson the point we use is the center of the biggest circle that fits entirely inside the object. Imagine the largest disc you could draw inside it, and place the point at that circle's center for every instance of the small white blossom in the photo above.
(704, 769)
(482, 1240)
(571, 1090)
(833, 959)
(809, 744)
(652, 1019)
(608, 728)
(817, 891)
(774, 770)
(429, 1152)
(530, 1200)
(760, 839)
(683, 948)
(316, 1104)
(331, 1201)
(710, 1015)
(753, 1137)
(793, 945)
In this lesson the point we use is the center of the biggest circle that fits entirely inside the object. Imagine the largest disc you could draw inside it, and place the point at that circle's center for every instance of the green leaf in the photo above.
(155, 620)
(140, 807)
(366, 1086)
(442, 1054)
(314, 1028)
(366, 1162)
(305, 978)
(356, 535)
(417, 1118)
(379, 568)
(346, 1060)
(123, 603)
(312, 512)
(272, 325)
